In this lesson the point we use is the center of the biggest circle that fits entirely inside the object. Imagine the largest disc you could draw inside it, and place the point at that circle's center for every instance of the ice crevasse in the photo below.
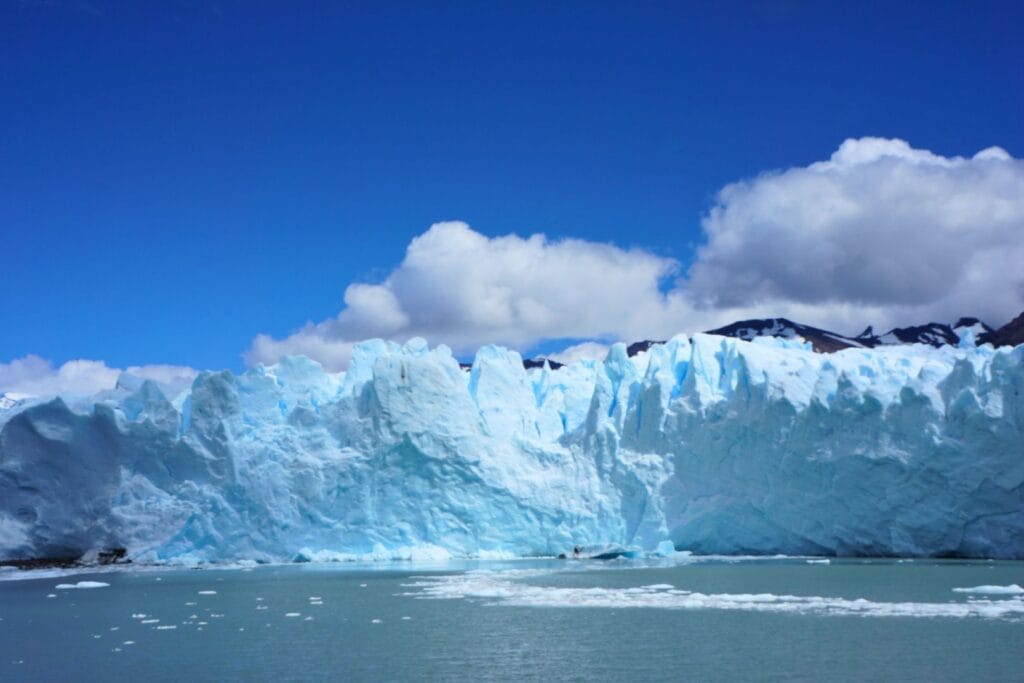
(714, 444)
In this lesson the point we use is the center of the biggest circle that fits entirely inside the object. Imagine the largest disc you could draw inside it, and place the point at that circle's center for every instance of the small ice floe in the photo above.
(150, 621)
(138, 615)
(169, 627)
(406, 618)
(207, 592)
(376, 621)
(362, 585)
(97, 636)
(262, 607)
(191, 604)
(316, 602)
(51, 595)
(315, 597)
(116, 649)
(293, 614)
(1012, 589)
(202, 623)
(308, 619)
(115, 628)
(824, 561)
(128, 642)
(81, 584)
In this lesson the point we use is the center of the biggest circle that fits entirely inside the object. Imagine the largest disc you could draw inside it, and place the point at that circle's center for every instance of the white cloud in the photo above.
(880, 234)
(883, 231)
(461, 288)
(35, 376)
(582, 351)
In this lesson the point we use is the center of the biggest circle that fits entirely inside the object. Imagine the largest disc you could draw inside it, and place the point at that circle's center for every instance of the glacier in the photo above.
(706, 443)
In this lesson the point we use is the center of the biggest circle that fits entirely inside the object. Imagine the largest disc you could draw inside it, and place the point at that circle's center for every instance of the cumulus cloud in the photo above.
(35, 376)
(582, 351)
(881, 230)
(880, 233)
(459, 287)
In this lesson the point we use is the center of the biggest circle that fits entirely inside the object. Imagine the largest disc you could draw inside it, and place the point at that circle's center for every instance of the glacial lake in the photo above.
(692, 619)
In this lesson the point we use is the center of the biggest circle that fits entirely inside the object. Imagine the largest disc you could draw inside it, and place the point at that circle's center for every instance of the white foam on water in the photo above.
(166, 628)
(826, 561)
(138, 615)
(81, 584)
(511, 588)
(1012, 589)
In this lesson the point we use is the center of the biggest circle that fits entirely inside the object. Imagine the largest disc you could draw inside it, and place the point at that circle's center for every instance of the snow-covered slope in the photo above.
(713, 443)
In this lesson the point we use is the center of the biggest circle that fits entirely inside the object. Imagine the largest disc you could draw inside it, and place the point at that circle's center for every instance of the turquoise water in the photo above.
(654, 620)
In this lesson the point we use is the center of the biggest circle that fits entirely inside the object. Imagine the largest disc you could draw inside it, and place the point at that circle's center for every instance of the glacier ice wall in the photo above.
(716, 444)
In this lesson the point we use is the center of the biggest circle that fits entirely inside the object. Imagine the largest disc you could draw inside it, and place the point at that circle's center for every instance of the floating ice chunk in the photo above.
(207, 592)
(824, 561)
(376, 621)
(665, 549)
(406, 618)
(139, 615)
(128, 642)
(81, 584)
(170, 627)
(150, 621)
(51, 595)
(510, 588)
(293, 614)
(362, 585)
(1012, 589)
(308, 619)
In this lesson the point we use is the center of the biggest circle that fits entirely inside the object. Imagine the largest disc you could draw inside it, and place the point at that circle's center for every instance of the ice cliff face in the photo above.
(716, 444)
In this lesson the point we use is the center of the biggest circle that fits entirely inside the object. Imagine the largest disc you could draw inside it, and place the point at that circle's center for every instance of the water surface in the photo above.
(781, 619)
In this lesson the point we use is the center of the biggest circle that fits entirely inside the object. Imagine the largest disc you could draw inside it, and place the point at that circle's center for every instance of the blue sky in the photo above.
(176, 178)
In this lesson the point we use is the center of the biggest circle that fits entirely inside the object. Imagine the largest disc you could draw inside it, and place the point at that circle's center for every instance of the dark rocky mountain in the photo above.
(1010, 334)
(825, 341)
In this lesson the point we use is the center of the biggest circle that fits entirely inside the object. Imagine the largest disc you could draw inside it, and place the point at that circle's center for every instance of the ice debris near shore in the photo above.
(714, 444)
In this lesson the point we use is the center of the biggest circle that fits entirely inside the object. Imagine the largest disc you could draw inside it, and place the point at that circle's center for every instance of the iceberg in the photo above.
(705, 444)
